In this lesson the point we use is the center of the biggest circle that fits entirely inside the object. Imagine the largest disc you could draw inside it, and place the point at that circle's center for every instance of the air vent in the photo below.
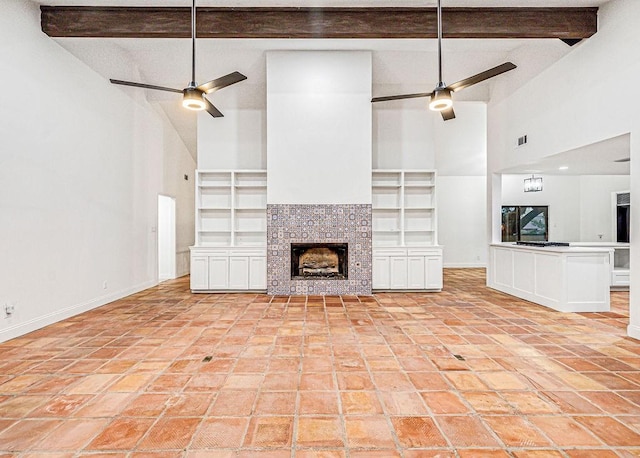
(624, 198)
(521, 141)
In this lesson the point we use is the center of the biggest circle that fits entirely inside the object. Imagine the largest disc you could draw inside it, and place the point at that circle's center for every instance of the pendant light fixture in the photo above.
(533, 184)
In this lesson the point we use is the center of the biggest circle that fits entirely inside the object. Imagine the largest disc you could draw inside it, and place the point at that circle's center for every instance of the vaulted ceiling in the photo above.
(400, 34)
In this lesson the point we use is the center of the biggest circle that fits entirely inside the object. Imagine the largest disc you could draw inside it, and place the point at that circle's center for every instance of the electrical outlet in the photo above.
(9, 309)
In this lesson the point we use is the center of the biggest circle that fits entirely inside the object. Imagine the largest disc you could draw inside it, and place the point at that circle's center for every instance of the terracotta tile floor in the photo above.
(468, 372)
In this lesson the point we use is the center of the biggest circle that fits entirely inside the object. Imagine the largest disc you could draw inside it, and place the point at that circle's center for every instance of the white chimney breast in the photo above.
(319, 127)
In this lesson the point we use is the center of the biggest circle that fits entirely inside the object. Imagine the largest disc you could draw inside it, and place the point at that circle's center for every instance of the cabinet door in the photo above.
(416, 272)
(398, 272)
(218, 272)
(257, 272)
(239, 272)
(199, 273)
(380, 272)
(434, 272)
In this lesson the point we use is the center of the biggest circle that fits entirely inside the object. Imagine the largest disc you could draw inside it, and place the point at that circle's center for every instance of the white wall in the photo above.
(462, 214)
(419, 139)
(236, 141)
(560, 193)
(178, 162)
(80, 172)
(319, 127)
(588, 96)
(579, 206)
(403, 139)
(596, 210)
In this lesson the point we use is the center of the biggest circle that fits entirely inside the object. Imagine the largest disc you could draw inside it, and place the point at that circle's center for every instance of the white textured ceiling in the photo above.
(399, 66)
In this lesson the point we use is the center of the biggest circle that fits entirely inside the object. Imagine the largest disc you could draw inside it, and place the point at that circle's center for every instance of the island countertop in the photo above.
(572, 248)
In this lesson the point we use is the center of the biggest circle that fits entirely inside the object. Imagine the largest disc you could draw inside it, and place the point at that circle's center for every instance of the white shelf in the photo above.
(403, 204)
(231, 208)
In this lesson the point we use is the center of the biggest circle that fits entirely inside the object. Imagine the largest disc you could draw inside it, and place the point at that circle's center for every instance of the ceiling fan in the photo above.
(193, 96)
(441, 96)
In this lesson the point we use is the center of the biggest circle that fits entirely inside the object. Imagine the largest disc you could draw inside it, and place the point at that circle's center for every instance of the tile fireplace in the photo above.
(319, 249)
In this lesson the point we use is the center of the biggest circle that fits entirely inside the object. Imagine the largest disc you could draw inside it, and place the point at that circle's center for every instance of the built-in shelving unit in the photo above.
(231, 208)
(403, 205)
(231, 231)
(405, 251)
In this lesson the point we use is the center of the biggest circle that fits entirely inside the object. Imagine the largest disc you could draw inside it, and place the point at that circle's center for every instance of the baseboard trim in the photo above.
(633, 331)
(26, 327)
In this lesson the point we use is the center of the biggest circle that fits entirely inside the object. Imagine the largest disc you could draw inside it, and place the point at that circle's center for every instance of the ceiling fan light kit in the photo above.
(441, 96)
(441, 100)
(193, 96)
(193, 99)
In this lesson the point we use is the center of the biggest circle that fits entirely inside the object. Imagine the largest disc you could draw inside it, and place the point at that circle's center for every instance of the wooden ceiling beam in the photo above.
(150, 22)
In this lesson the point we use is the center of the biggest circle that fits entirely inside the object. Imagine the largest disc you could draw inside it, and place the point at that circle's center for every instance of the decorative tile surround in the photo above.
(288, 224)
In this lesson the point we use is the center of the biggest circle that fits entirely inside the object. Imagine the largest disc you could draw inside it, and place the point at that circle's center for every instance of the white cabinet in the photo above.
(231, 231)
(234, 269)
(406, 255)
(257, 272)
(199, 272)
(218, 272)
(381, 272)
(239, 272)
(416, 272)
(433, 271)
(398, 271)
(407, 269)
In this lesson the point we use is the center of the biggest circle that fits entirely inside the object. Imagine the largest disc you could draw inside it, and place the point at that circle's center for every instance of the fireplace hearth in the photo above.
(315, 261)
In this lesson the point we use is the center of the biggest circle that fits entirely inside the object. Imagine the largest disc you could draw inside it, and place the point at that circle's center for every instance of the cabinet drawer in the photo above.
(389, 252)
(424, 252)
(258, 252)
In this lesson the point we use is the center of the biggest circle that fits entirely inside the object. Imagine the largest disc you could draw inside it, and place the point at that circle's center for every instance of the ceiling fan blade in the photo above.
(448, 114)
(495, 71)
(213, 111)
(145, 86)
(221, 82)
(398, 97)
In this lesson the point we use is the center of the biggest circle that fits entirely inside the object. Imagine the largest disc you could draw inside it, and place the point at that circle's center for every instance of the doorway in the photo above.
(166, 238)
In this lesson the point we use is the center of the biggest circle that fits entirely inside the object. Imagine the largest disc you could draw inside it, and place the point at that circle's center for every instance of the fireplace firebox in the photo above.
(319, 261)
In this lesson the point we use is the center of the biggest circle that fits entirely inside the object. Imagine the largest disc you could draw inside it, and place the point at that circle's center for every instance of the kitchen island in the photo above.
(564, 278)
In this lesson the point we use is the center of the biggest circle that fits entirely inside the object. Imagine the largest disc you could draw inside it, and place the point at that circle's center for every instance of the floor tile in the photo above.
(220, 433)
(368, 432)
(164, 373)
(564, 431)
(515, 431)
(318, 402)
(466, 432)
(270, 432)
(121, 434)
(320, 432)
(417, 432)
